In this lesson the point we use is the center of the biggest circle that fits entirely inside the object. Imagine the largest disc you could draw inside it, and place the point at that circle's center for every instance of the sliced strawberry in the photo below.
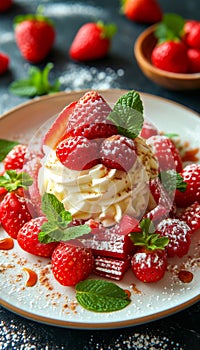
(149, 265)
(14, 213)
(190, 175)
(58, 128)
(118, 152)
(111, 267)
(191, 215)
(90, 112)
(78, 153)
(15, 158)
(28, 238)
(71, 264)
(178, 233)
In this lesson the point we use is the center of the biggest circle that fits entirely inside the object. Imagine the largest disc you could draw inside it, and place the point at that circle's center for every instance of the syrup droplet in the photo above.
(31, 277)
(185, 276)
(6, 243)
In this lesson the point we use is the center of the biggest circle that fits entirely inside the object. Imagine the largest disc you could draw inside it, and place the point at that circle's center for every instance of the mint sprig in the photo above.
(171, 28)
(11, 180)
(127, 114)
(148, 238)
(57, 227)
(101, 296)
(36, 84)
(5, 147)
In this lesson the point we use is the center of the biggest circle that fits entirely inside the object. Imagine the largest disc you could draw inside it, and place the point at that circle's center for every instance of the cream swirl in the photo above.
(99, 193)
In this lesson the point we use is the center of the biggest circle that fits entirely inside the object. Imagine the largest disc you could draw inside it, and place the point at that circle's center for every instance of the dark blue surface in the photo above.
(179, 331)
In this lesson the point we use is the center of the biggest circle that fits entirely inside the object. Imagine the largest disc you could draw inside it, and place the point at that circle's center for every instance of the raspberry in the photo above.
(118, 152)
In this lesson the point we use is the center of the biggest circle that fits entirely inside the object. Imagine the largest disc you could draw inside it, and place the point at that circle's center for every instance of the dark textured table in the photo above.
(118, 70)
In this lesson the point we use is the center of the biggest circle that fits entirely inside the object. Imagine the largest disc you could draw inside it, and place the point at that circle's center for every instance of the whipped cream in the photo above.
(100, 193)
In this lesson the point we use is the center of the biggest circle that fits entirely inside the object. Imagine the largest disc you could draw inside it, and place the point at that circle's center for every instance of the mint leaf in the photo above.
(11, 180)
(5, 147)
(36, 84)
(101, 296)
(52, 207)
(57, 227)
(171, 28)
(127, 114)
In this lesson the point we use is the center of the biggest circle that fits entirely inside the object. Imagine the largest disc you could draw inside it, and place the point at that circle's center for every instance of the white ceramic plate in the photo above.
(50, 303)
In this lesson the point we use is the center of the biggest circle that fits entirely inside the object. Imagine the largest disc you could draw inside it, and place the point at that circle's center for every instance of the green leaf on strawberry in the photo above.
(148, 238)
(171, 28)
(171, 181)
(5, 147)
(108, 30)
(101, 296)
(57, 227)
(127, 114)
(11, 180)
(36, 84)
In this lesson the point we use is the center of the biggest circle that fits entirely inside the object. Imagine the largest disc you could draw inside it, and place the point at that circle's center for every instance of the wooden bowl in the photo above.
(143, 47)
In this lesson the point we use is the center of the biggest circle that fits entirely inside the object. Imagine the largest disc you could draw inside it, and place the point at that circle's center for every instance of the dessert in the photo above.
(103, 192)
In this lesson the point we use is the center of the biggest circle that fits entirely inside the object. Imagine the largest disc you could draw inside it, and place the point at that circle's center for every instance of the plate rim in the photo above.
(55, 95)
(111, 324)
(100, 326)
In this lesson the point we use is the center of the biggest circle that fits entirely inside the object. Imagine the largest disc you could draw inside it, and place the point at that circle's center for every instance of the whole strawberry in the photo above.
(15, 158)
(194, 60)
(191, 215)
(4, 62)
(15, 209)
(179, 235)
(170, 56)
(192, 34)
(89, 117)
(142, 11)
(191, 176)
(5, 5)
(14, 213)
(166, 152)
(35, 35)
(92, 41)
(78, 153)
(118, 152)
(27, 238)
(71, 264)
(149, 262)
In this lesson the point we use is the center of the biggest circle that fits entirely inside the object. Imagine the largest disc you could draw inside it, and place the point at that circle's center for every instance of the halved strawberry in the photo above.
(27, 238)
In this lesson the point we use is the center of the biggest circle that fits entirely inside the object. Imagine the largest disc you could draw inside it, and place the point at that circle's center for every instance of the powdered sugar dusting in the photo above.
(77, 78)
